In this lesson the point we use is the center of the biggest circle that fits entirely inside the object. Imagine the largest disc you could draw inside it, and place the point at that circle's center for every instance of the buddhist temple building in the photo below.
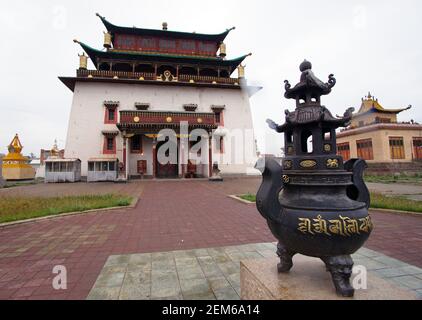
(376, 135)
(145, 81)
(15, 165)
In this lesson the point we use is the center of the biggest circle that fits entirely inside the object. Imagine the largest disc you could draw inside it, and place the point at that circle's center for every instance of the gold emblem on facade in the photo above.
(136, 119)
(286, 179)
(288, 164)
(307, 164)
(169, 119)
(327, 147)
(332, 163)
(199, 120)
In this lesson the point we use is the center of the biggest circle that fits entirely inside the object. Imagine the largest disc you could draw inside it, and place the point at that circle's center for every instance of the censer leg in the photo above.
(340, 268)
(286, 262)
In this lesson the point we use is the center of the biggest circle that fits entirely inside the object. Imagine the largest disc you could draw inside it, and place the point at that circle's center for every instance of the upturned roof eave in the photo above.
(112, 28)
(94, 54)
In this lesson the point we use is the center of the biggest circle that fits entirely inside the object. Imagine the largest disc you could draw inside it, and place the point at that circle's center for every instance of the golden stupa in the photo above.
(15, 165)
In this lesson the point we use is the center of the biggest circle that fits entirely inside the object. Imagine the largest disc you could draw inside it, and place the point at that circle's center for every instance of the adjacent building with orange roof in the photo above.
(377, 136)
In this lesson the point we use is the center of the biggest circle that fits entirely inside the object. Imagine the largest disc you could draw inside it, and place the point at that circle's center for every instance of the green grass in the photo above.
(402, 178)
(21, 208)
(377, 201)
(248, 197)
(395, 203)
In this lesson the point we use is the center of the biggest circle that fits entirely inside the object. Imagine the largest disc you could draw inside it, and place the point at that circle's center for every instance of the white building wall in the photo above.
(85, 140)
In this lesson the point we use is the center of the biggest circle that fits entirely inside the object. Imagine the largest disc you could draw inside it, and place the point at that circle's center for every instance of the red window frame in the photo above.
(107, 119)
(106, 150)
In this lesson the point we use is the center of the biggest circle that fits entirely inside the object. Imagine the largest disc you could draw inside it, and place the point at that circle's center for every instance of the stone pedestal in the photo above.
(307, 280)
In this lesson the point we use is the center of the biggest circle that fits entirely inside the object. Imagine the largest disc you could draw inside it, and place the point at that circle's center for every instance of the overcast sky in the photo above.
(370, 46)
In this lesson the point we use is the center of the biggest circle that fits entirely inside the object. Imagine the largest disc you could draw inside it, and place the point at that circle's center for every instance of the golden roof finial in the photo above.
(15, 146)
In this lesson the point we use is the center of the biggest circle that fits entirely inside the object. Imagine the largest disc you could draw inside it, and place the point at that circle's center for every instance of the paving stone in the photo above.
(218, 283)
(166, 286)
(234, 279)
(409, 282)
(370, 264)
(190, 273)
(229, 268)
(118, 260)
(396, 272)
(137, 278)
(187, 262)
(200, 253)
(117, 268)
(199, 296)
(163, 265)
(162, 256)
(135, 292)
(110, 280)
(193, 287)
(226, 294)
(104, 294)
(389, 261)
(368, 252)
(142, 258)
(184, 254)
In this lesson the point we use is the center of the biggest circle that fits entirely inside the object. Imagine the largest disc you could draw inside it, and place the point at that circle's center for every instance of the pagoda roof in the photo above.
(164, 33)
(153, 57)
(370, 104)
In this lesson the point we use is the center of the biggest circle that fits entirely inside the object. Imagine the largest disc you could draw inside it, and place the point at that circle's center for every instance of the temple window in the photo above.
(109, 144)
(142, 106)
(417, 148)
(219, 114)
(110, 114)
(364, 149)
(136, 144)
(343, 150)
(396, 147)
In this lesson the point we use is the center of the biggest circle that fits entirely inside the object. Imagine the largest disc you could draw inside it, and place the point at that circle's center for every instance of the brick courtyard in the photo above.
(171, 215)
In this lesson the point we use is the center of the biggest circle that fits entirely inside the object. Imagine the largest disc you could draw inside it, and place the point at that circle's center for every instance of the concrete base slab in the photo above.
(307, 280)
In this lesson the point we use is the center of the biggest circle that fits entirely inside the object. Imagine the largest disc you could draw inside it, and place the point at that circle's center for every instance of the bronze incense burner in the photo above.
(314, 203)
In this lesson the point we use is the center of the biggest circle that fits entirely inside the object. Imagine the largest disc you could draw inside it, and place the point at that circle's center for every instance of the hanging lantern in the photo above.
(107, 40)
(223, 50)
(241, 72)
(83, 61)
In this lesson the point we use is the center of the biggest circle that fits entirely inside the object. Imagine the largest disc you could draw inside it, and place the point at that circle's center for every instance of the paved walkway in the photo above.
(214, 273)
(174, 215)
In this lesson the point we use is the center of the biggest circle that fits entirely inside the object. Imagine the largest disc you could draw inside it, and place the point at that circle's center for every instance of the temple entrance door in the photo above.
(167, 170)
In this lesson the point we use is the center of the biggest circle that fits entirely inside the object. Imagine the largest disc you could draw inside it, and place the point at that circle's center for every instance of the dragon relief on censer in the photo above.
(314, 203)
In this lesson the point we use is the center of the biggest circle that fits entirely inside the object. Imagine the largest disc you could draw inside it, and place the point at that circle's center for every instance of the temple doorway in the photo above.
(167, 170)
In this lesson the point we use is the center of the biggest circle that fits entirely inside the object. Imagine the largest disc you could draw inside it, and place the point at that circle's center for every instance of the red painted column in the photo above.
(124, 154)
(154, 157)
(210, 154)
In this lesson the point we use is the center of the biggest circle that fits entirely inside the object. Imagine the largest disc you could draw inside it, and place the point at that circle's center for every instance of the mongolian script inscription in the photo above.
(344, 226)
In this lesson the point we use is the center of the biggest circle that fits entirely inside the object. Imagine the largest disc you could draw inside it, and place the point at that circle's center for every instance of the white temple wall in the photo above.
(85, 139)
